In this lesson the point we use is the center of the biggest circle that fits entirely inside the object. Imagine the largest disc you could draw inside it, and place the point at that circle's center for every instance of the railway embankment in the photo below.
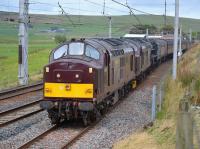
(162, 135)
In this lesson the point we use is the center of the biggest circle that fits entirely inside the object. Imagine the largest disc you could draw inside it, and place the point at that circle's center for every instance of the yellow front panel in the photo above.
(134, 84)
(68, 90)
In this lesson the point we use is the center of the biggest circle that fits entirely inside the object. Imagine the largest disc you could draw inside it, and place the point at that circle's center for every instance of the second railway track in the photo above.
(5, 94)
(15, 114)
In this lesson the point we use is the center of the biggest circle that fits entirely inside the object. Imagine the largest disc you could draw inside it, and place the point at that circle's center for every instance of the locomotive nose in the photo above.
(68, 72)
(68, 80)
(74, 76)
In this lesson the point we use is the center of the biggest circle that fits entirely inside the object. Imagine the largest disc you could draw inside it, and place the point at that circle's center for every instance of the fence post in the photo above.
(153, 107)
(160, 96)
(184, 132)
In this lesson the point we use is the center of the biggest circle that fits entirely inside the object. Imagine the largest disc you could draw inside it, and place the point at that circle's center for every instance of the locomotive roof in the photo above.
(158, 41)
(113, 45)
(113, 42)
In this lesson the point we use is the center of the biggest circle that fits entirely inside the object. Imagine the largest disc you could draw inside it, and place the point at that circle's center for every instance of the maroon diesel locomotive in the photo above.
(86, 76)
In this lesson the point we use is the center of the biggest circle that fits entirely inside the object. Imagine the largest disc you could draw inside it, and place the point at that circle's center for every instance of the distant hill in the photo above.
(95, 25)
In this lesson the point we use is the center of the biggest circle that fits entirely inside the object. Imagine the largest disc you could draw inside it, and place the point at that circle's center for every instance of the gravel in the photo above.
(15, 134)
(132, 114)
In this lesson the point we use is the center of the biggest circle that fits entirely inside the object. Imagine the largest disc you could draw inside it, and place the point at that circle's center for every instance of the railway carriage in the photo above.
(185, 45)
(138, 57)
(159, 50)
(145, 53)
(170, 44)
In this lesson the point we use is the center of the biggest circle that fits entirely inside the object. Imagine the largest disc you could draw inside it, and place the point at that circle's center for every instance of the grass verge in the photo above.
(163, 133)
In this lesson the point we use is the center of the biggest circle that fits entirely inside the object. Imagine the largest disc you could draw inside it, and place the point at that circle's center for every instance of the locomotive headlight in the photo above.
(58, 75)
(47, 69)
(76, 76)
(90, 70)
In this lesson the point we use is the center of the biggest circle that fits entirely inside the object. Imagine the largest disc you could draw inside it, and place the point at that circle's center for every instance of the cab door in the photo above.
(107, 66)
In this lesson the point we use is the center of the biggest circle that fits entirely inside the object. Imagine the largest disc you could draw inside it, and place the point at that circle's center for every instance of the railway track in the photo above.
(43, 134)
(72, 132)
(5, 94)
(15, 114)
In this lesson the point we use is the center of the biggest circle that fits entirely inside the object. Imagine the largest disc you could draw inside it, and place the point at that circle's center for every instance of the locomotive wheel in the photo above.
(53, 115)
(86, 118)
(102, 110)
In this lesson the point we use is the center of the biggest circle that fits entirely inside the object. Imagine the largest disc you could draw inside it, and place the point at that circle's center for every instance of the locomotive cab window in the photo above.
(76, 48)
(92, 52)
(60, 52)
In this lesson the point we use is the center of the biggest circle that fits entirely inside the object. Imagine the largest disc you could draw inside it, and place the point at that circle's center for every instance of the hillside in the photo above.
(97, 25)
(43, 28)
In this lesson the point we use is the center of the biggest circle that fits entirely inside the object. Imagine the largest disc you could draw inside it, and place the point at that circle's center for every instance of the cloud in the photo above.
(93, 7)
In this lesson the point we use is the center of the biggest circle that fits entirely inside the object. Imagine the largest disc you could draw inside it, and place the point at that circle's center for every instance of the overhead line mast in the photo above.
(110, 27)
(176, 26)
(165, 17)
(23, 42)
(104, 4)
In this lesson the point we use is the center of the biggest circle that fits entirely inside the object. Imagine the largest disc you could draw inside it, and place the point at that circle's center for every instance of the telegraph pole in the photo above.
(110, 27)
(104, 4)
(127, 6)
(165, 19)
(176, 24)
(23, 42)
(190, 35)
(180, 41)
(147, 33)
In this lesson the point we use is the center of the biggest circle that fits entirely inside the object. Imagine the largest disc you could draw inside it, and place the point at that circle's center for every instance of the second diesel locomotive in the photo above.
(86, 76)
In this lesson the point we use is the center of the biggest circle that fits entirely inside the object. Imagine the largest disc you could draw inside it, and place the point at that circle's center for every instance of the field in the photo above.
(41, 38)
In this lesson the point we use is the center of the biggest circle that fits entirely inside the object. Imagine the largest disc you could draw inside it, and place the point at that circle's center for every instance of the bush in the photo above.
(60, 39)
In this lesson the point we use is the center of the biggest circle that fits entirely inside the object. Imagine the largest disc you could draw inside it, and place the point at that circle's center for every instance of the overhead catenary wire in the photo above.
(126, 5)
(78, 9)
(100, 5)
(63, 12)
(138, 20)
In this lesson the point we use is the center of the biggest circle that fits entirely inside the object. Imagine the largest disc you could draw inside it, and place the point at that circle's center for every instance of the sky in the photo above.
(188, 8)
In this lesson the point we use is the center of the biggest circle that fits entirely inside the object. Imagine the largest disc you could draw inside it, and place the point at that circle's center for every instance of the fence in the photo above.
(188, 119)
(187, 135)
(157, 99)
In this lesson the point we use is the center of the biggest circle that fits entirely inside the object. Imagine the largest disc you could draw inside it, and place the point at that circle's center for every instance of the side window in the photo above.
(113, 77)
(122, 62)
(121, 73)
(142, 57)
(92, 52)
(131, 61)
(62, 51)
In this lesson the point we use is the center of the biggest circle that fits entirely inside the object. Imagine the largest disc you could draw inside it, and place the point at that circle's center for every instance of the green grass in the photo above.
(40, 43)
(164, 129)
